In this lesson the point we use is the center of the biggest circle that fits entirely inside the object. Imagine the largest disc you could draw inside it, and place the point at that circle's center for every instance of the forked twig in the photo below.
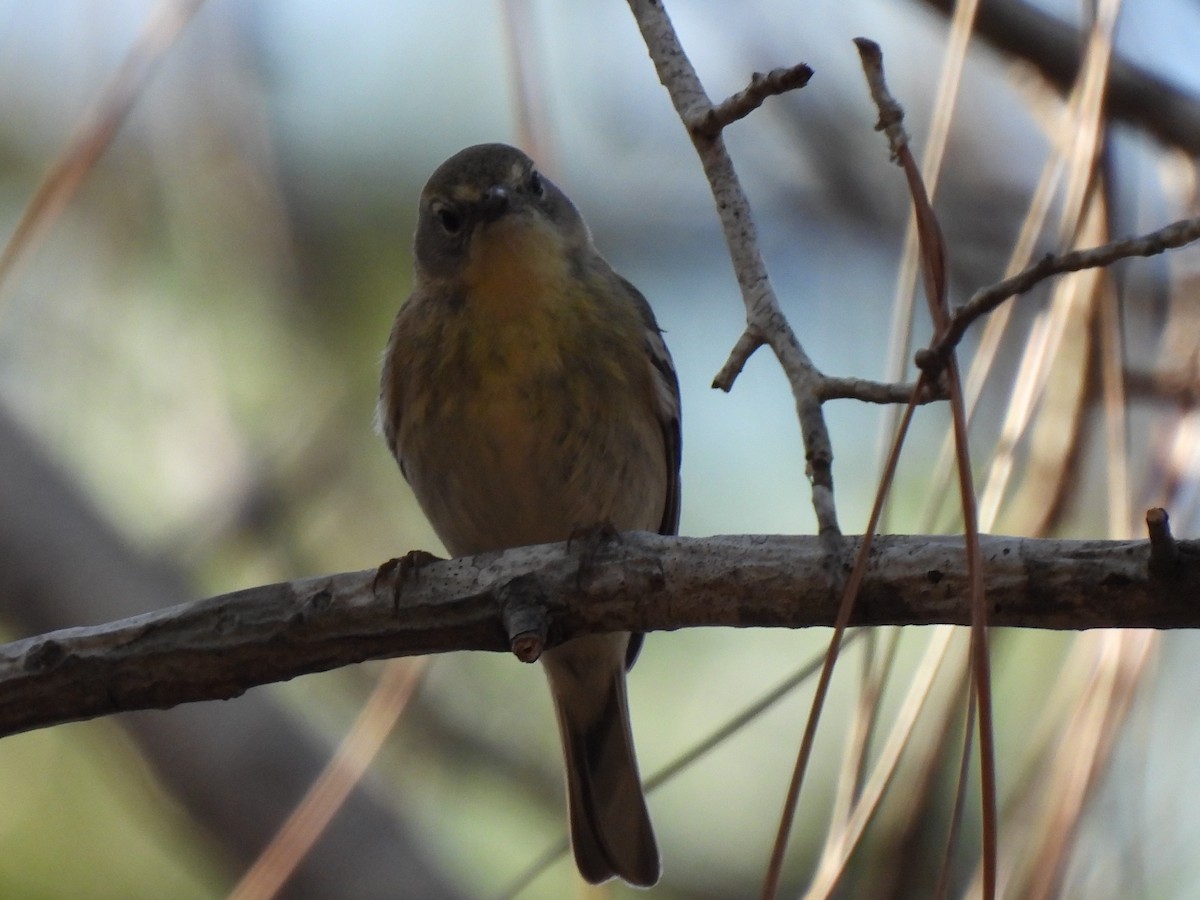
(765, 322)
(1170, 237)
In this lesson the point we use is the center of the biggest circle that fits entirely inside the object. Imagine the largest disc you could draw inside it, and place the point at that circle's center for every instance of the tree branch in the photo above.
(750, 98)
(63, 563)
(867, 391)
(1133, 94)
(765, 321)
(220, 647)
(984, 301)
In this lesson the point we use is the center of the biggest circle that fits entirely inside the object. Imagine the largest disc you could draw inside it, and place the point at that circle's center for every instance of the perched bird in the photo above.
(527, 393)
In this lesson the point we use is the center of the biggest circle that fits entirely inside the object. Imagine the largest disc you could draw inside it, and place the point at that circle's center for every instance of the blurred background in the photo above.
(188, 369)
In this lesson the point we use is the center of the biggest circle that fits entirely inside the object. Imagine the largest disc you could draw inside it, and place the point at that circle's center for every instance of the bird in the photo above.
(526, 393)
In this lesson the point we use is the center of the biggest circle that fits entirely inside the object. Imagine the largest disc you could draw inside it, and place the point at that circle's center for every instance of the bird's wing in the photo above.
(666, 385)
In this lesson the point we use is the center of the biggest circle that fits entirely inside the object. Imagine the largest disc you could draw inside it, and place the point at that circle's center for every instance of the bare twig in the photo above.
(868, 391)
(830, 387)
(891, 115)
(1170, 237)
(1164, 552)
(900, 331)
(749, 341)
(764, 317)
(765, 324)
(522, 605)
(744, 102)
(1063, 164)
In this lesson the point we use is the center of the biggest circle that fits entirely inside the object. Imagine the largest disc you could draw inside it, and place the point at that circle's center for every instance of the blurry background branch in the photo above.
(213, 755)
(219, 647)
(1134, 94)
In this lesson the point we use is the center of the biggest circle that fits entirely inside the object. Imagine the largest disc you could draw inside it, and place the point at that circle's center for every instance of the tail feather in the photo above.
(610, 827)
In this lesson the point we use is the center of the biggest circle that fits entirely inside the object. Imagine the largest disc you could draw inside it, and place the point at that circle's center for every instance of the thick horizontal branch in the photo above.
(219, 647)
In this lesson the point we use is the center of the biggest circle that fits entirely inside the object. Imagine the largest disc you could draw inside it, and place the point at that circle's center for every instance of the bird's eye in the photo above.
(536, 186)
(451, 218)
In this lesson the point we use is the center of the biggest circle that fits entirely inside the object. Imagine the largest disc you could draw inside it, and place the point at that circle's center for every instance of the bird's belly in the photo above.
(525, 468)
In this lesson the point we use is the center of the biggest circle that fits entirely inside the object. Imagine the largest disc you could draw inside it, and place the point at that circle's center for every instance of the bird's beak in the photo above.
(493, 203)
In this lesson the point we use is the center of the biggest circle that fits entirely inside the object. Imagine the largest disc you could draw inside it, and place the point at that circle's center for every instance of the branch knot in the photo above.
(523, 609)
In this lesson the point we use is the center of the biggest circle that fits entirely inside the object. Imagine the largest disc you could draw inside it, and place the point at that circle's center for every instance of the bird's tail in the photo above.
(610, 827)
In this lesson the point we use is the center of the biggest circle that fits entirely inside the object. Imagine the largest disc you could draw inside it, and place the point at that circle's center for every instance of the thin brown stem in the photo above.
(850, 593)
(933, 265)
(95, 132)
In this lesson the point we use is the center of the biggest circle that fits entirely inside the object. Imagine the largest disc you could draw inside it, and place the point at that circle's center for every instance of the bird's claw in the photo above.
(593, 539)
(399, 569)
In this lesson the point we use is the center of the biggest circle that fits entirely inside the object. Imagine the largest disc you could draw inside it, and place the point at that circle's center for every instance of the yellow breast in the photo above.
(516, 267)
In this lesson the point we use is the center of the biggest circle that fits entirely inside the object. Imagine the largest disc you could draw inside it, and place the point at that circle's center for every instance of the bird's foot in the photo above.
(401, 569)
(591, 541)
